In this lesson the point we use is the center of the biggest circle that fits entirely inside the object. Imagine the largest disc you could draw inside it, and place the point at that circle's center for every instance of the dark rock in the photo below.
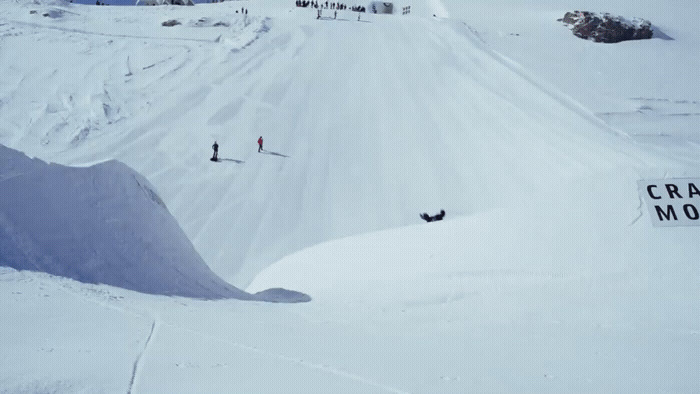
(171, 23)
(606, 28)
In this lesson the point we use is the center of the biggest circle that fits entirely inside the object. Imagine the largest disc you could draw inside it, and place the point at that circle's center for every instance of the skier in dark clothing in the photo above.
(440, 215)
(429, 218)
(260, 141)
(216, 151)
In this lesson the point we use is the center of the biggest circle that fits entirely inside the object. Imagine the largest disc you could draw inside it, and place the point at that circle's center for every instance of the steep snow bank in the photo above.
(101, 224)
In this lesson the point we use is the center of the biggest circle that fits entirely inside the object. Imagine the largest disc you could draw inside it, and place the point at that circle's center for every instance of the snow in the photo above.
(545, 276)
(101, 224)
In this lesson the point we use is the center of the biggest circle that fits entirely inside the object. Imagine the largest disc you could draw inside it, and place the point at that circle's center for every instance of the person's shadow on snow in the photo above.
(233, 160)
(267, 152)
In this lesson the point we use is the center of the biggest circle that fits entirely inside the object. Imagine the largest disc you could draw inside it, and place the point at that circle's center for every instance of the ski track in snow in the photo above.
(137, 364)
(88, 294)
(158, 324)
(92, 33)
(327, 368)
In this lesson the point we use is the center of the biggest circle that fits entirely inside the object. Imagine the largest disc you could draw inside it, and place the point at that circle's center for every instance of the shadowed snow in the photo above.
(101, 224)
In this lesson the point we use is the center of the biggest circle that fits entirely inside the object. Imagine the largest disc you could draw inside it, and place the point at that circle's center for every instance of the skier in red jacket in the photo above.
(260, 141)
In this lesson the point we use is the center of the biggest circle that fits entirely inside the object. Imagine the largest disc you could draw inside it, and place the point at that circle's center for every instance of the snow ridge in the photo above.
(102, 224)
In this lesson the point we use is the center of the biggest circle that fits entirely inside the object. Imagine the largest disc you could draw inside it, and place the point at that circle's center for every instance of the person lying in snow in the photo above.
(429, 218)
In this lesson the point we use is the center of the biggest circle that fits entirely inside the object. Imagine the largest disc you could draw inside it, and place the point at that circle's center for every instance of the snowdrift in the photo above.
(102, 224)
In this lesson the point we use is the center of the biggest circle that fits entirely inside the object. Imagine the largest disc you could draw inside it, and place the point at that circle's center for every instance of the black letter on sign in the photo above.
(693, 190)
(669, 211)
(672, 189)
(651, 194)
(691, 212)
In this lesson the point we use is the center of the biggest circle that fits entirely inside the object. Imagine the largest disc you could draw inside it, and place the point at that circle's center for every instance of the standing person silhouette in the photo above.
(260, 142)
(216, 151)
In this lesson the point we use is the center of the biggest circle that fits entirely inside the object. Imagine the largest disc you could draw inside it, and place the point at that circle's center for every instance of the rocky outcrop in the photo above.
(606, 28)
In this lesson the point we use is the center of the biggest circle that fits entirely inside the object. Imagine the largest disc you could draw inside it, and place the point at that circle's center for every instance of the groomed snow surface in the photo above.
(545, 276)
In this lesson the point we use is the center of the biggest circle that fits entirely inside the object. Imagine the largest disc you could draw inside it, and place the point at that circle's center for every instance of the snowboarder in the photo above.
(260, 141)
(429, 218)
(440, 215)
(216, 152)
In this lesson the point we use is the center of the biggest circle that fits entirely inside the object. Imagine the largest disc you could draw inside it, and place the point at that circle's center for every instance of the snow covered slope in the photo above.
(366, 124)
(102, 224)
(494, 302)
(546, 275)
(644, 89)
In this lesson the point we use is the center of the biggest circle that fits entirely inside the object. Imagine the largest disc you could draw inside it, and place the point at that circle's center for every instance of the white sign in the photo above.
(672, 202)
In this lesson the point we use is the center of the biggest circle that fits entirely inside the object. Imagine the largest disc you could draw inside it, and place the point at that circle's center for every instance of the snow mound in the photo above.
(277, 294)
(101, 224)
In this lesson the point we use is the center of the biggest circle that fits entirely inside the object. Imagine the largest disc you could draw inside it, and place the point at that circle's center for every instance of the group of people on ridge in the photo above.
(327, 5)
